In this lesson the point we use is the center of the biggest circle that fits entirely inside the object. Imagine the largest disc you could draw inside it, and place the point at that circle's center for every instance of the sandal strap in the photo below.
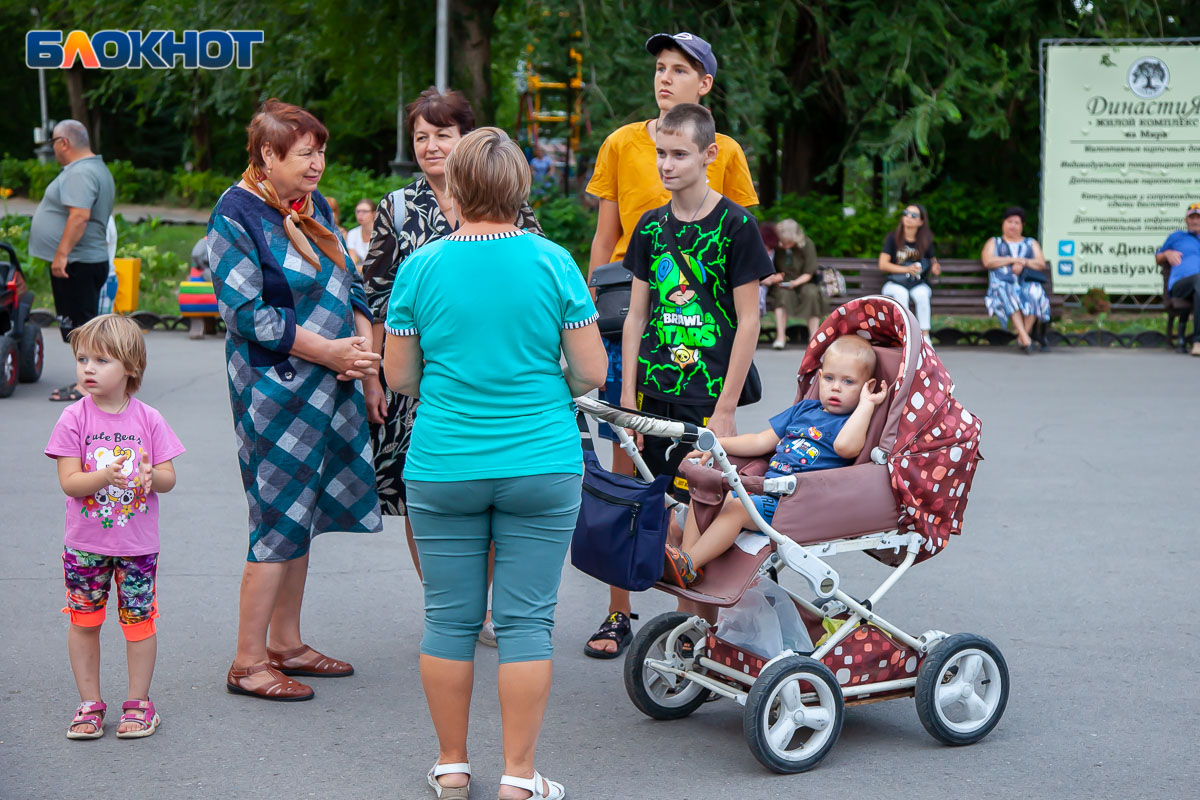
(130, 707)
(92, 707)
(323, 663)
(615, 627)
(449, 769)
(533, 785)
(283, 655)
(282, 686)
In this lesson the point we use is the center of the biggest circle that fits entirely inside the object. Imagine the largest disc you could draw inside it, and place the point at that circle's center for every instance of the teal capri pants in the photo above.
(530, 520)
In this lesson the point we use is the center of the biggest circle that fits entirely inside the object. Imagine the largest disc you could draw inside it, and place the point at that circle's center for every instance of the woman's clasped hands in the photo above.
(351, 358)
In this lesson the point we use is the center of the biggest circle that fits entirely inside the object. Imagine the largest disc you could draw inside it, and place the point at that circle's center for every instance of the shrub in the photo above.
(834, 233)
(13, 174)
(348, 185)
(197, 189)
(566, 222)
(137, 184)
(40, 176)
(962, 218)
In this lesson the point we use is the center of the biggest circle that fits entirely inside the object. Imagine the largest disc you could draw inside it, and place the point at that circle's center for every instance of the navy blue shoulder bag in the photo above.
(621, 533)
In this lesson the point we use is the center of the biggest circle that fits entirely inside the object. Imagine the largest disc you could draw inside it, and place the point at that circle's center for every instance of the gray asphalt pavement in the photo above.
(1078, 560)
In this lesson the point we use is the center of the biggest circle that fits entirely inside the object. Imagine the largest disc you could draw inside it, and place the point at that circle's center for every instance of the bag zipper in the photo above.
(621, 501)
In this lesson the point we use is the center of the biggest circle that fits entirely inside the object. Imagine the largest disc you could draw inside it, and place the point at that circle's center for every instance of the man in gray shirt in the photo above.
(68, 231)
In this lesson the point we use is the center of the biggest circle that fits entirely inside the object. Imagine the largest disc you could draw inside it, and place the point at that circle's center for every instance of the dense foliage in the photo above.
(836, 102)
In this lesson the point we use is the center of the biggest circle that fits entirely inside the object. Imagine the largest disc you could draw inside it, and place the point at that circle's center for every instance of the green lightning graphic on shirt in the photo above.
(680, 329)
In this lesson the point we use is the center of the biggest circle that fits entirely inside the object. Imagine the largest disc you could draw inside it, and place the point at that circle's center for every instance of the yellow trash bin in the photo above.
(129, 277)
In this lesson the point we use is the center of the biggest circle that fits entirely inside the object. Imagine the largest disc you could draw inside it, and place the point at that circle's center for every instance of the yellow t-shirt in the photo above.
(627, 173)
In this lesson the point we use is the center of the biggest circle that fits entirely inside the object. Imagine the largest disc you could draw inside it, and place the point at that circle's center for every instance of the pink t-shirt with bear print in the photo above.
(113, 521)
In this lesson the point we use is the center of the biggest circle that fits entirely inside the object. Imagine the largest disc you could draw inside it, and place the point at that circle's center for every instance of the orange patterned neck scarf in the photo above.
(298, 221)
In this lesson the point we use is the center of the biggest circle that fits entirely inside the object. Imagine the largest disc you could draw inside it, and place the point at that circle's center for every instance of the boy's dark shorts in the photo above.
(654, 448)
(611, 393)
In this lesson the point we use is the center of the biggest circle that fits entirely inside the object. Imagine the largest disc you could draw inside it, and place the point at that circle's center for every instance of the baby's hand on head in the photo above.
(870, 394)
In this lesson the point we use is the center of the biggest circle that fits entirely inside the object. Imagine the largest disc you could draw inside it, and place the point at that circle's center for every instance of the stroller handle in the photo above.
(642, 423)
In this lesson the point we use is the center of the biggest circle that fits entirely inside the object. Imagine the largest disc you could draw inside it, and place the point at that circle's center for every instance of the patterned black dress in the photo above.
(420, 221)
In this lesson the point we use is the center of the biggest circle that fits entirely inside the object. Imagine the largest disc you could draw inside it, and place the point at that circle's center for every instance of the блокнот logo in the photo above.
(111, 49)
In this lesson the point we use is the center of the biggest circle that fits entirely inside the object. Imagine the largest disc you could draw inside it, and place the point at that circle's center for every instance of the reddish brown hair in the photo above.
(447, 110)
(280, 125)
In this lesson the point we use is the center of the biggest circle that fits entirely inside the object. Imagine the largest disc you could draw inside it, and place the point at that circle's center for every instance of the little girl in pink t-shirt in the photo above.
(114, 458)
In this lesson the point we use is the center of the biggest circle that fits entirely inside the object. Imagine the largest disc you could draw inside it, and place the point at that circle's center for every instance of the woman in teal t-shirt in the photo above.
(477, 325)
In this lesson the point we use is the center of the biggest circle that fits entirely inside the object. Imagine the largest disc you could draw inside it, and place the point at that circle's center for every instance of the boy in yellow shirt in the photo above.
(627, 182)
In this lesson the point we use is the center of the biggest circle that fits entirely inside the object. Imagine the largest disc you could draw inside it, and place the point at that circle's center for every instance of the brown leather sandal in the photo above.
(283, 689)
(322, 666)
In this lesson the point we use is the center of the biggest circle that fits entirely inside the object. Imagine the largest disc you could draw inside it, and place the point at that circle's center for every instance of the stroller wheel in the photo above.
(962, 689)
(657, 695)
(794, 714)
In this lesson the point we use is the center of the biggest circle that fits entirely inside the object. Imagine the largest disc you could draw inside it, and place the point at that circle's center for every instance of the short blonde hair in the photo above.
(488, 177)
(788, 230)
(856, 348)
(117, 337)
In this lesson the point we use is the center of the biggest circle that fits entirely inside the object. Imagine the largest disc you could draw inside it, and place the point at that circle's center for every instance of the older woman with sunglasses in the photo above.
(908, 260)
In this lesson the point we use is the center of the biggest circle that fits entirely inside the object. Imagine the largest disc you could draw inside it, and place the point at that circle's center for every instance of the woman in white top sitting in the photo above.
(359, 239)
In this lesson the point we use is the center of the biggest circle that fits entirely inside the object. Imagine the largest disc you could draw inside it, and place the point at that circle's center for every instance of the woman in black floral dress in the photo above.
(406, 219)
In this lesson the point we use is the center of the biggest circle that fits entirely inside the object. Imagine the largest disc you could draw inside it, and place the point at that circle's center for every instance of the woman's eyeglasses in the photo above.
(911, 214)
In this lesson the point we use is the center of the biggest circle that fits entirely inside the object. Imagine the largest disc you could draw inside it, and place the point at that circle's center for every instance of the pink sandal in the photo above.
(141, 712)
(90, 712)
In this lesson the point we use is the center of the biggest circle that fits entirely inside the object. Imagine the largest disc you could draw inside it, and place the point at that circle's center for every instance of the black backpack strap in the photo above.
(706, 301)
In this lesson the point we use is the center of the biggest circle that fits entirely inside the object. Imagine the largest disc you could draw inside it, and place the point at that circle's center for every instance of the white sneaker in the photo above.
(487, 634)
(778, 345)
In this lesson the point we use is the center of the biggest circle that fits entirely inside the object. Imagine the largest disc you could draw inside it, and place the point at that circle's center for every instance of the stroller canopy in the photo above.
(931, 441)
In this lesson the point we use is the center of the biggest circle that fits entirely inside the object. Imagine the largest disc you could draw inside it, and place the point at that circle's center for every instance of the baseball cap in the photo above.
(689, 43)
(1194, 208)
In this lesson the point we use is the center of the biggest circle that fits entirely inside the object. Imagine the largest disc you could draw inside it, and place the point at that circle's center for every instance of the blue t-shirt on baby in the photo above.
(806, 435)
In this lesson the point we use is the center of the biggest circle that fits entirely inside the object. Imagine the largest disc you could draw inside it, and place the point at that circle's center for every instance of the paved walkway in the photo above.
(1079, 561)
(25, 207)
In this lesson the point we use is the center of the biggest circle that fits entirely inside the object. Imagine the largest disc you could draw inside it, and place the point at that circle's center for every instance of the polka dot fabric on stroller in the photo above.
(899, 502)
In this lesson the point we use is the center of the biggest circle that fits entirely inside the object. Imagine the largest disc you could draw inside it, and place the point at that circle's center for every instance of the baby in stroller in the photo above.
(816, 434)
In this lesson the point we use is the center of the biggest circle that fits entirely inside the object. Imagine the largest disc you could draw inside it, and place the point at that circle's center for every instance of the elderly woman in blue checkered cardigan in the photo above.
(298, 343)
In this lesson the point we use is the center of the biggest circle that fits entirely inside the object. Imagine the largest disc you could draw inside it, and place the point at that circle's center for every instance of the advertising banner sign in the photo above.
(1120, 160)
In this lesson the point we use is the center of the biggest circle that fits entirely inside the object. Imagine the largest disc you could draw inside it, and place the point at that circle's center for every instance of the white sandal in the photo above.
(450, 792)
(534, 785)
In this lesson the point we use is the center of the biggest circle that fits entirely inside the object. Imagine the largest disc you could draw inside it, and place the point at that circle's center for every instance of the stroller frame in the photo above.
(773, 694)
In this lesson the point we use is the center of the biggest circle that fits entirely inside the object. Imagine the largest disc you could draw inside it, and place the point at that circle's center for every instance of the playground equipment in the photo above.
(538, 94)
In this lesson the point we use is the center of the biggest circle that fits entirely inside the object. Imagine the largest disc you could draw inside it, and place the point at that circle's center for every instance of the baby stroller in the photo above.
(899, 503)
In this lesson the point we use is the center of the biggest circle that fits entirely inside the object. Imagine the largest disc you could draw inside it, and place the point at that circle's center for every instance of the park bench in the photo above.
(959, 291)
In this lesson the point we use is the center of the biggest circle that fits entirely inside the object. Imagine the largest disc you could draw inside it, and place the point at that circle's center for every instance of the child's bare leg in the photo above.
(141, 656)
(691, 531)
(720, 534)
(83, 647)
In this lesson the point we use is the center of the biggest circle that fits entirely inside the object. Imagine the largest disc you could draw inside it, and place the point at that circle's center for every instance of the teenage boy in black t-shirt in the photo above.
(693, 321)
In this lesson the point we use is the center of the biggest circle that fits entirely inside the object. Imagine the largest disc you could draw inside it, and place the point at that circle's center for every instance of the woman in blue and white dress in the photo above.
(1017, 278)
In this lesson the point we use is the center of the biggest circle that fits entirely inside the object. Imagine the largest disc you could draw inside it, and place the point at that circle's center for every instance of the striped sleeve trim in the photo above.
(583, 323)
(401, 331)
